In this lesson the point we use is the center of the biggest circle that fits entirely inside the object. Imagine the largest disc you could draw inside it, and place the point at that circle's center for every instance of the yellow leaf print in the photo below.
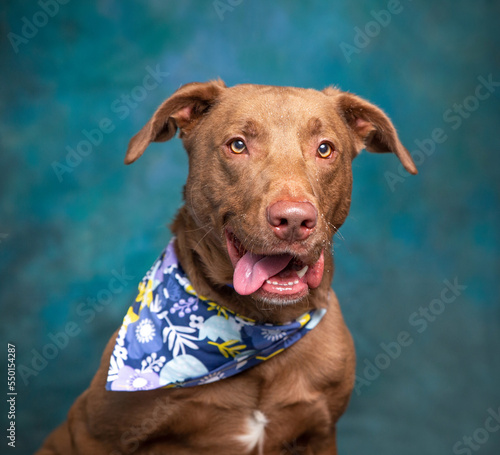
(259, 357)
(145, 295)
(220, 309)
(190, 290)
(130, 317)
(227, 350)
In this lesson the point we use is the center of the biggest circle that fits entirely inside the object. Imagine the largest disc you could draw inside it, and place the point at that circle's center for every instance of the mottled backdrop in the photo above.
(417, 260)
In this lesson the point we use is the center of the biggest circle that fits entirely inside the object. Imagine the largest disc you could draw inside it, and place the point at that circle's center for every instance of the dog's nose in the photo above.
(292, 221)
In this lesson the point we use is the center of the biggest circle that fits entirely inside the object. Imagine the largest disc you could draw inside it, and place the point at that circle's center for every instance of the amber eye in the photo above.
(325, 150)
(237, 146)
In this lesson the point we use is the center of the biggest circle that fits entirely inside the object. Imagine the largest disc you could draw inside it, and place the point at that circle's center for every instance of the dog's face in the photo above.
(270, 174)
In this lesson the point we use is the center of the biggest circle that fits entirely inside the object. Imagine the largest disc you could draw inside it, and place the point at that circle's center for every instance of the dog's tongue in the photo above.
(252, 270)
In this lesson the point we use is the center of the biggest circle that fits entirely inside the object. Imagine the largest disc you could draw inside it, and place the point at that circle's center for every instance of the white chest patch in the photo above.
(254, 432)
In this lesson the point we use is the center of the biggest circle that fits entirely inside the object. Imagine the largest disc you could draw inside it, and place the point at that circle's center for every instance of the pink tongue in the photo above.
(252, 270)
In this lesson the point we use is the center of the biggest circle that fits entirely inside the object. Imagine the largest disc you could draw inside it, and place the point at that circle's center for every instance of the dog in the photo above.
(269, 185)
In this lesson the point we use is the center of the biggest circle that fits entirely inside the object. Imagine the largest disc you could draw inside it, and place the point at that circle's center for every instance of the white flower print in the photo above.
(196, 321)
(273, 334)
(120, 353)
(145, 331)
(168, 270)
(212, 377)
(138, 383)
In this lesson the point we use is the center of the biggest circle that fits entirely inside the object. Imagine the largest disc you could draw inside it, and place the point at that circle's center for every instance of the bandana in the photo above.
(173, 337)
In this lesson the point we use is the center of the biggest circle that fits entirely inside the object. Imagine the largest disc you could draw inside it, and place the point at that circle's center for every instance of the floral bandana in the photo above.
(173, 337)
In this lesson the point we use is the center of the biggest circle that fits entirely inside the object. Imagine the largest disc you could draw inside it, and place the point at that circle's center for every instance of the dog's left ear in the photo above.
(182, 110)
(372, 128)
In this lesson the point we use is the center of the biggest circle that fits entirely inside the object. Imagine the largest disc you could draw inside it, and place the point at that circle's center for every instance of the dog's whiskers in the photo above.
(200, 228)
(206, 233)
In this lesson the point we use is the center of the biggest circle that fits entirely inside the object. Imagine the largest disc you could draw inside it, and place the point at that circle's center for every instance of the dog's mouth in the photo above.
(284, 276)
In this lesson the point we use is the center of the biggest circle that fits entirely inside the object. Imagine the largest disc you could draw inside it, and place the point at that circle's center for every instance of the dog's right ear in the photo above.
(181, 110)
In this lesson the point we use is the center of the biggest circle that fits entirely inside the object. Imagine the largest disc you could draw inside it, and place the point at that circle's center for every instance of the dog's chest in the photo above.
(253, 415)
(284, 402)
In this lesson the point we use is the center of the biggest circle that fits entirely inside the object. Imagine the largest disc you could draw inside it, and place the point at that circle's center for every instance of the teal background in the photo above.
(61, 239)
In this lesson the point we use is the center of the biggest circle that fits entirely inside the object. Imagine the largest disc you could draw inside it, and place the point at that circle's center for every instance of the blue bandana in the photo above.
(173, 337)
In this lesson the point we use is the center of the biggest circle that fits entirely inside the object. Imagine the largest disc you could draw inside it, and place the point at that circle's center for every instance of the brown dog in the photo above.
(269, 177)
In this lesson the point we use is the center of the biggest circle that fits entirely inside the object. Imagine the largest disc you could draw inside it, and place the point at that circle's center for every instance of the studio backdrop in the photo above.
(417, 261)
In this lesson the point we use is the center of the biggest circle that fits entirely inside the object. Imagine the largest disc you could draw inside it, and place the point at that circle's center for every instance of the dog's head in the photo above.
(270, 175)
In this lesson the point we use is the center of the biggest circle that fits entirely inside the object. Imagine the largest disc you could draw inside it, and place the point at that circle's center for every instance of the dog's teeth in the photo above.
(276, 283)
(302, 272)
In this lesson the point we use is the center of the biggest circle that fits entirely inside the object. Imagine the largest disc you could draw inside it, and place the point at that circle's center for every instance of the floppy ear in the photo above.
(372, 128)
(181, 110)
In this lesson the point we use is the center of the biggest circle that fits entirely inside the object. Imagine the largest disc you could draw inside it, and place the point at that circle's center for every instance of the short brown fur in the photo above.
(303, 391)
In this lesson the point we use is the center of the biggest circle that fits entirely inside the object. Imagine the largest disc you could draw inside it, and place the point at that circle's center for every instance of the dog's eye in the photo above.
(237, 146)
(325, 150)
